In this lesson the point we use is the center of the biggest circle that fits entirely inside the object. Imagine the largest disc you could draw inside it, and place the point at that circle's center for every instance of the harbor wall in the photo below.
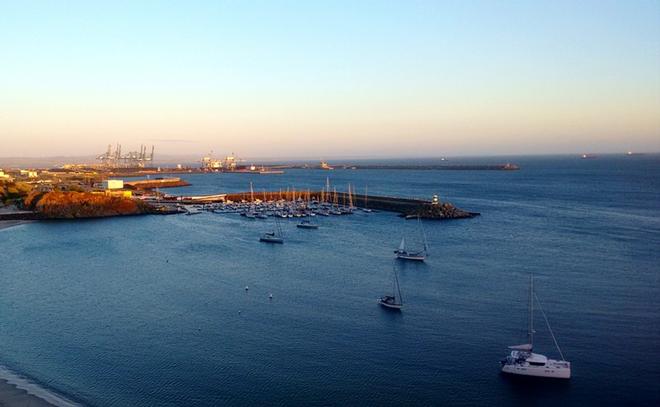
(405, 206)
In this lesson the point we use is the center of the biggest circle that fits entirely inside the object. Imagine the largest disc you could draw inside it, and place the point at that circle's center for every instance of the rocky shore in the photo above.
(440, 211)
(72, 205)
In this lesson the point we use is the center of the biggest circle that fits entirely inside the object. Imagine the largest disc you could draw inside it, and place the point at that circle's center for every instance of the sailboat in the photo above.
(366, 196)
(394, 301)
(524, 362)
(305, 224)
(415, 255)
(275, 236)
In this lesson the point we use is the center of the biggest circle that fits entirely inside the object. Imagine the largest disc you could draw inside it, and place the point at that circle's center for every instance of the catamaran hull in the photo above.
(538, 371)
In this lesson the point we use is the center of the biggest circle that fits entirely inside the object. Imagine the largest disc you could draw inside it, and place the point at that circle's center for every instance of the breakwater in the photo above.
(156, 183)
(408, 207)
(449, 167)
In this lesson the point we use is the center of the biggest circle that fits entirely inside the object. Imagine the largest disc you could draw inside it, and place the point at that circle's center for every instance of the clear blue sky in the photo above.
(330, 78)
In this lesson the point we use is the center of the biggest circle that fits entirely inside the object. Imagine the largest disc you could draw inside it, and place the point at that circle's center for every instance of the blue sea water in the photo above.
(144, 311)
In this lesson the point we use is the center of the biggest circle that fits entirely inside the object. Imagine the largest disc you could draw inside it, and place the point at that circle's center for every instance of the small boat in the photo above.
(273, 237)
(524, 362)
(305, 224)
(262, 216)
(392, 301)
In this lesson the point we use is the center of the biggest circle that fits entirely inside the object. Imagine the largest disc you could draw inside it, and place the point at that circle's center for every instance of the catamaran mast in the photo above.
(530, 334)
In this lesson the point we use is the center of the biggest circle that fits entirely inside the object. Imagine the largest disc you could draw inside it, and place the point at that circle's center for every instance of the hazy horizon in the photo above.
(326, 80)
(191, 159)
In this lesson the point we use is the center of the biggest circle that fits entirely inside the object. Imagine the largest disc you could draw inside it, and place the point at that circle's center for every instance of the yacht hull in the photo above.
(410, 257)
(549, 371)
(395, 307)
(271, 240)
(307, 226)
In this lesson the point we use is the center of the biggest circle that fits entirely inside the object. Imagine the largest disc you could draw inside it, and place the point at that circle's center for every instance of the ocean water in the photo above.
(144, 311)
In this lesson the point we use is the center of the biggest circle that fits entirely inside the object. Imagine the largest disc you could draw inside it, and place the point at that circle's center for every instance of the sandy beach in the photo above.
(4, 224)
(10, 209)
(11, 396)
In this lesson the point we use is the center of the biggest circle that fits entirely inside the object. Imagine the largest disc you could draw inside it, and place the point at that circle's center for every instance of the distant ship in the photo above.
(325, 166)
(522, 361)
(588, 156)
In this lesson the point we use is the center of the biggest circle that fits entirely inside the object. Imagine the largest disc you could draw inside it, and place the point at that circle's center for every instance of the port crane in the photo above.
(133, 159)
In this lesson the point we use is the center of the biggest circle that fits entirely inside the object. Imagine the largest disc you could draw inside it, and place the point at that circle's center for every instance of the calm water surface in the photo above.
(152, 310)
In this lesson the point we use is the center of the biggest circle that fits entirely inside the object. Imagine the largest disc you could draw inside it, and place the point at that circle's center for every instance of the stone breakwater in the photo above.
(406, 207)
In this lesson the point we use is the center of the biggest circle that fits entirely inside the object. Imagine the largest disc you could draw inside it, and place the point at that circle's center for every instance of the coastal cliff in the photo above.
(70, 205)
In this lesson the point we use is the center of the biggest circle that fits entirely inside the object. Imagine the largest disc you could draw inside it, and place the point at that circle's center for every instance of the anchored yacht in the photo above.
(524, 362)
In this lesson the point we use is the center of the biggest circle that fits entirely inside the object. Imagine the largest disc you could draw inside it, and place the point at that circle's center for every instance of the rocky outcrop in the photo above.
(70, 205)
(440, 211)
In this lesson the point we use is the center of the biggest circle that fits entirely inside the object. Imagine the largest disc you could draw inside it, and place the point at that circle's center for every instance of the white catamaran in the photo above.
(394, 301)
(522, 361)
(415, 255)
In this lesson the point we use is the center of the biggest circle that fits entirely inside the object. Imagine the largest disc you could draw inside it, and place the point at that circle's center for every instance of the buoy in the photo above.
(270, 296)
(246, 288)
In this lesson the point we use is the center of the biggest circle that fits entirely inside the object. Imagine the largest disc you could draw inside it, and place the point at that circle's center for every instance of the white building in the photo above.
(113, 184)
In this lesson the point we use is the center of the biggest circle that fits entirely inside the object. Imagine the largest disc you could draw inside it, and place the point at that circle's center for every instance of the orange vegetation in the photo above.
(58, 205)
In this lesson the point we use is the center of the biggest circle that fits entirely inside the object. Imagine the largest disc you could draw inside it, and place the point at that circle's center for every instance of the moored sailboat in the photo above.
(524, 362)
(403, 253)
(275, 236)
(394, 301)
(305, 224)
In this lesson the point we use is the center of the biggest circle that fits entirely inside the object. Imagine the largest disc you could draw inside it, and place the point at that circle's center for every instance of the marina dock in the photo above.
(332, 202)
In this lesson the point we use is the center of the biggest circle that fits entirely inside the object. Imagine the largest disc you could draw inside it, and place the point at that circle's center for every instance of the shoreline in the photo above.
(11, 395)
(18, 391)
(6, 224)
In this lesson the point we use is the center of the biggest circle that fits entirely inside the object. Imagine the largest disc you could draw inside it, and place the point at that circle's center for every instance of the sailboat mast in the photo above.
(421, 228)
(398, 288)
(350, 197)
(530, 334)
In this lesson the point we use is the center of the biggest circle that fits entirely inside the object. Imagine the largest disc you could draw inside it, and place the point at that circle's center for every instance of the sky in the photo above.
(329, 78)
